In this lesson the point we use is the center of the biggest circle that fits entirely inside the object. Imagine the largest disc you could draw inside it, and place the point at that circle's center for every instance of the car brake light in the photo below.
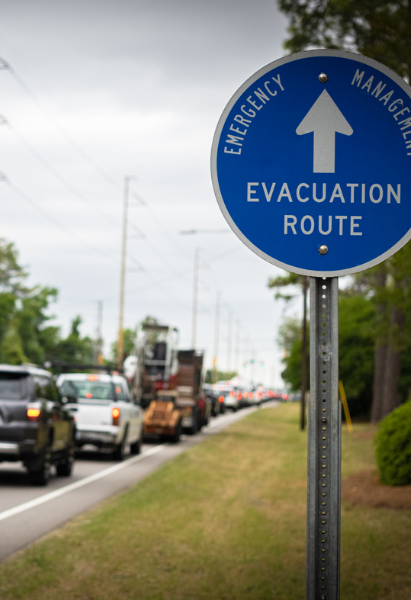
(232, 393)
(92, 378)
(221, 399)
(115, 413)
(245, 395)
(238, 396)
(33, 412)
(251, 395)
(89, 395)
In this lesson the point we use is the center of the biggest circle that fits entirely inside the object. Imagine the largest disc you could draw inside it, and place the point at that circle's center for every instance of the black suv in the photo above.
(35, 427)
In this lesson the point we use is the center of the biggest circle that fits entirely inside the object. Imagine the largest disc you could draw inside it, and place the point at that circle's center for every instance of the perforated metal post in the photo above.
(324, 445)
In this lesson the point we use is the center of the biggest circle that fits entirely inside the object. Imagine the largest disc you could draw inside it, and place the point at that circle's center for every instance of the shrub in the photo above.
(393, 452)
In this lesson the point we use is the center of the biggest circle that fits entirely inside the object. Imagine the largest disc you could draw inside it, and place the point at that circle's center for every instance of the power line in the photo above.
(54, 172)
(6, 66)
(50, 218)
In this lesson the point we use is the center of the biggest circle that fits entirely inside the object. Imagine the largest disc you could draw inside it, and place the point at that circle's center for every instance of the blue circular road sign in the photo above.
(311, 163)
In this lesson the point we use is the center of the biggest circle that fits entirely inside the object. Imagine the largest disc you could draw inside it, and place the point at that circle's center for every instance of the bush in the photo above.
(393, 451)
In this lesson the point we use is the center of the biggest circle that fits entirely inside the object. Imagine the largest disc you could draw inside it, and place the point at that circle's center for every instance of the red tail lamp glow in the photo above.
(116, 415)
(89, 395)
(33, 413)
(221, 399)
(92, 378)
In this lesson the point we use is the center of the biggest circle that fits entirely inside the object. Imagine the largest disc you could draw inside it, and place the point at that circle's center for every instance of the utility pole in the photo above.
(98, 357)
(237, 348)
(195, 300)
(252, 366)
(120, 344)
(216, 336)
(229, 332)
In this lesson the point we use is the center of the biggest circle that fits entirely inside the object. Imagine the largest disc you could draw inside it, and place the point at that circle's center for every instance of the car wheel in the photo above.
(120, 450)
(194, 427)
(135, 447)
(65, 467)
(174, 439)
(40, 475)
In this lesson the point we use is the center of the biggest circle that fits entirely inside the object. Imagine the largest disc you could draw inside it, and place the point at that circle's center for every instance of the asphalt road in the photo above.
(28, 513)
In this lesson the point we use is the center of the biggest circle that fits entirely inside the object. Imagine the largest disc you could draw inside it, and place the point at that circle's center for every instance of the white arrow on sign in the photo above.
(324, 119)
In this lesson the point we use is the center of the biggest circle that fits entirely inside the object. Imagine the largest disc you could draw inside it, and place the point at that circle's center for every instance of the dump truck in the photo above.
(182, 408)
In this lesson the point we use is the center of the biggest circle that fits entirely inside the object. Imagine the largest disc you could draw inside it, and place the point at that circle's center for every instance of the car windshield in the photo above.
(92, 390)
(14, 386)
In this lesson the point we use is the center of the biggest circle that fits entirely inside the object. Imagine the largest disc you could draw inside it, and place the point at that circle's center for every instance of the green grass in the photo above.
(224, 521)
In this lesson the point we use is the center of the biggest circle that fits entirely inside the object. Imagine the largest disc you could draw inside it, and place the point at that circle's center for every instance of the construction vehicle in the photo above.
(182, 408)
(153, 365)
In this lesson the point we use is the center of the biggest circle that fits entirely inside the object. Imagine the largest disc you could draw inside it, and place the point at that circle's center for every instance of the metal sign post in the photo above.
(311, 163)
(324, 445)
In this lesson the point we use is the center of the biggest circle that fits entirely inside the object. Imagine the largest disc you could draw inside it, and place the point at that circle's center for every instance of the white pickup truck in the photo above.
(104, 411)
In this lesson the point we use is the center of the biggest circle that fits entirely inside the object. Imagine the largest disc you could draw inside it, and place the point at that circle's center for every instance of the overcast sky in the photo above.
(96, 91)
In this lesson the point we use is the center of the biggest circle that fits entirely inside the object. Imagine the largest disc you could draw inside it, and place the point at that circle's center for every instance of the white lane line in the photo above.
(11, 512)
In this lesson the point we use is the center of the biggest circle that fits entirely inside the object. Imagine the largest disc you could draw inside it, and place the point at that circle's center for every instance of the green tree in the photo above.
(128, 344)
(11, 348)
(37, 340)
(380, 29)
(292, 279)
(74, 348)
(221, 375)
(356, 350)
(289, 339)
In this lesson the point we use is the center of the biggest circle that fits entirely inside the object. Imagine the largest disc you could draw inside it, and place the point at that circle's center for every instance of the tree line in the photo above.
(26, 335)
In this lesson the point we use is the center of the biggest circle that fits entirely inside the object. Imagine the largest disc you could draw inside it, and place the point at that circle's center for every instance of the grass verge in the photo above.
(226, 521)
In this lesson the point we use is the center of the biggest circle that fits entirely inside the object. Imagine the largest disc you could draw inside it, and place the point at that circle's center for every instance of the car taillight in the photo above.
(239, 396)
(232, 393)
(251, 395)
(245, 395)
(221, 399)
(115, 413)
(33, 412)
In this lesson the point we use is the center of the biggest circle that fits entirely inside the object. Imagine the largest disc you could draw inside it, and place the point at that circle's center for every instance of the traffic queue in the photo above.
(159, 393)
